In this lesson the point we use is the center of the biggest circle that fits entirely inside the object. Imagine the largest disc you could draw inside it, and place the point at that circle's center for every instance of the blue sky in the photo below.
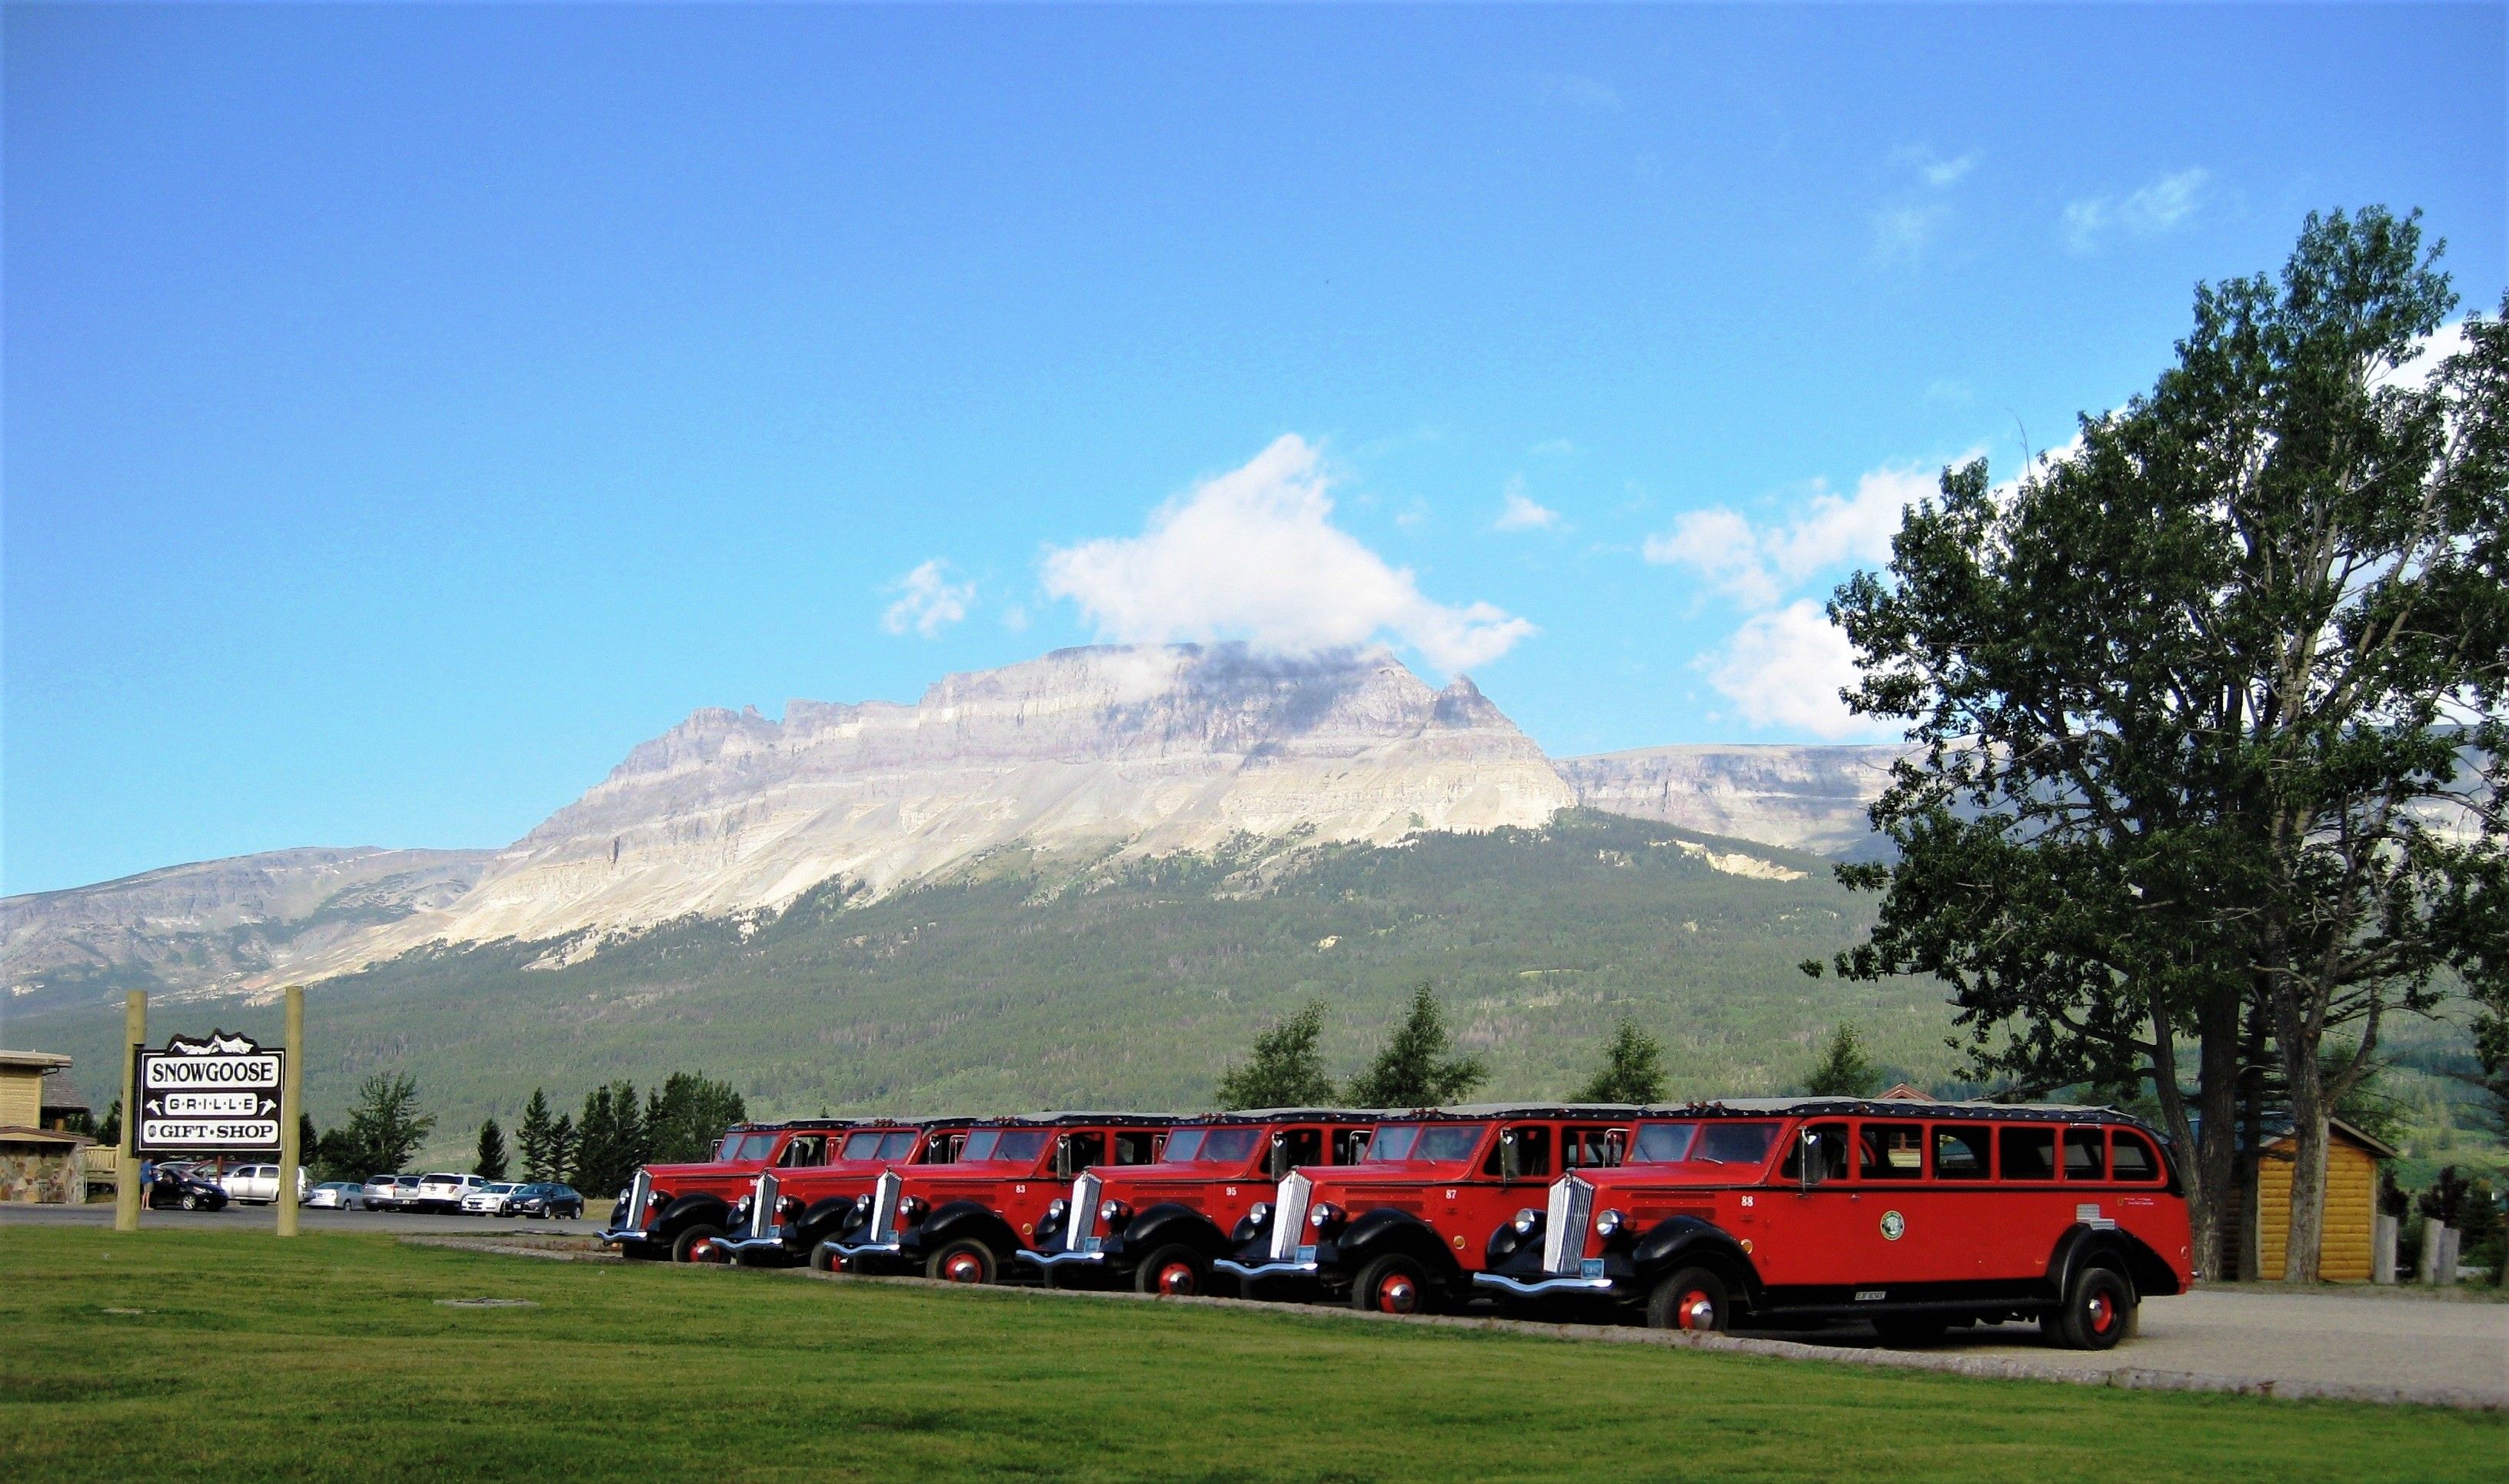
(408, 410)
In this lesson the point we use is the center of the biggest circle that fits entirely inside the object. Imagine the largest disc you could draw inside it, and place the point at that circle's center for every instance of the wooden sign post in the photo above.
(291, 1099)
(128, 1196)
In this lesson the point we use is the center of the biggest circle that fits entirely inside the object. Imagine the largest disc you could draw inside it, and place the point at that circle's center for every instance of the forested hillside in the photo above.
(1017, 988)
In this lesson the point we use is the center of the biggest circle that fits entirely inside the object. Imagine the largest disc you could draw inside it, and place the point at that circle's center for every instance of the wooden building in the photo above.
(2345, 1218)
(39, 1158)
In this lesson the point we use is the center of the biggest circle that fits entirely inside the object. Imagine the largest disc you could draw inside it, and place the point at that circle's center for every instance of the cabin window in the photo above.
(2086, 1154)
(806, 1149)
(1960, 1152)
(2026, 1154)
(1295, 1147)
(1891, 1152)
(1523, 1153)
(1350, 1145)
(1077, 1152)
(1828, 1143)
(1137, 1148)
(1592, 1148)
(2132, 1156)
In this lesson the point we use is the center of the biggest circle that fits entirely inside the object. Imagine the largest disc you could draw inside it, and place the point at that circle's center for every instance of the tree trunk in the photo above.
(2215, 1182)
(2309, 1113)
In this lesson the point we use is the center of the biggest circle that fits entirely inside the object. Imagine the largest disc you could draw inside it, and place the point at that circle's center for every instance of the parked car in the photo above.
(443, 1192)
(1158, 1228)
(336, 1196)
(1915, 1217)
(966, 1222)
(1404, 1229)
(643, 1223)
(488, 1200)
(259, 1184)
(380, 1193)
(542, 1200)
(175, 1188)
(788, 1212)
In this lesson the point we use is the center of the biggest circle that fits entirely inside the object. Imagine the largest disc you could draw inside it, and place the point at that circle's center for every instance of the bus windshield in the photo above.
(1706, 1141)
(1210, 1146)
(1021, 1144)
(1423, 1143)
(879, 1144)
(748, 1146)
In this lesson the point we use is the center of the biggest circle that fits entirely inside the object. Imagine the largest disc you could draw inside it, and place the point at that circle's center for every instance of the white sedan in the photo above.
(488, 1200)
(336, 1196)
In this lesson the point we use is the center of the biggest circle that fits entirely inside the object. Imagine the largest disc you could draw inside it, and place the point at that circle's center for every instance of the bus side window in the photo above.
(1348, 1144)
(1829, 1143)
(1592, 1148)
(2132, 1156)
(1138, 1148)
(805, 1149)
(1891, 1152)
(2026, 1153)
(1960, 1151)
(1303, 1146)
(2086, 1154)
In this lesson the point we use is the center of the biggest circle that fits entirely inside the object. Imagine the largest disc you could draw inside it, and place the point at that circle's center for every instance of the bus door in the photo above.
(1804, 1215)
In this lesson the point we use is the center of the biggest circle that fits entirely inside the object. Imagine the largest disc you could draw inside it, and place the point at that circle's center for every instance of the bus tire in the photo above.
(1392, 1284)
(1175, 1268)
(964, 1261)
(2099, 1309)
(1693, 1299)
(824, 1259)
(684, 1247)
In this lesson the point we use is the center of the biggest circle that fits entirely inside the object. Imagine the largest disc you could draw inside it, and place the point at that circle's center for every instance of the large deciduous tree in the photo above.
(1285, 1070)
(2209, 710)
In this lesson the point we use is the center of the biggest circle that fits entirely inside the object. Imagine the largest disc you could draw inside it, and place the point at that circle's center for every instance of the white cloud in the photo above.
(1560, 448)
(1784, 668)
(1519, 512)
(1902, 232)
(1254, 554)
(1933, 169)
(927, 602)
(1015, 619)
(2414, 372)
(2148, 212)
(1758, 564)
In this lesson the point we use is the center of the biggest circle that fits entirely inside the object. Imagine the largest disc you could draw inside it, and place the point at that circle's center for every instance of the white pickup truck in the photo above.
(259, 1184)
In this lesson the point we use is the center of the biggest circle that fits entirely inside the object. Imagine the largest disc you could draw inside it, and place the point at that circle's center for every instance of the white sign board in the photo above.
(214, 1096)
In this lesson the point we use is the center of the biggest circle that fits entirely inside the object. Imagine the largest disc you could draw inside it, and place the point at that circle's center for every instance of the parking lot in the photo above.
(311, 1219)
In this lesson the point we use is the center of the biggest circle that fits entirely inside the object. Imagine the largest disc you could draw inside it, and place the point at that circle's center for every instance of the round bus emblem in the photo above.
(1893, 1225)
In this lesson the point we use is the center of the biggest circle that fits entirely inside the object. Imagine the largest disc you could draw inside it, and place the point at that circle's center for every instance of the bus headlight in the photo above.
(1525, 1221)
(1609, 1223)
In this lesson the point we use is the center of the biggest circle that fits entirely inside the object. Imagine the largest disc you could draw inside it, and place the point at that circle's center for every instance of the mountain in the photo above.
(1802, 798)
(219, 924)
(1081, 761)
(1134, 983)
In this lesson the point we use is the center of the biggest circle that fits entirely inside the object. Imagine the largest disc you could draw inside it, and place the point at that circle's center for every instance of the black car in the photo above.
(174, 1190)
(543, 1200)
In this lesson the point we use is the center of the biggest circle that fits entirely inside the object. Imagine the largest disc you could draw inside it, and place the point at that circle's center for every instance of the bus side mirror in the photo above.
(1062, 1156)
(1810, 1166)
(1279, 1162)
(1507, 1155)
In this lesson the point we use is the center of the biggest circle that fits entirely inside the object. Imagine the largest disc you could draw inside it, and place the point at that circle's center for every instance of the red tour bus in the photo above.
(1404, 1227)
(965, 1221)
(1159, 1227)
(1914, 1216)
(786, 1214)
(668, 1210)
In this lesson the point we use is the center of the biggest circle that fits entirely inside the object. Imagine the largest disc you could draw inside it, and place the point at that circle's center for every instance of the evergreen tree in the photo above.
(386, 1127)
(491, 1164)
(563, 1142)
(610, 1138)
(533, 1140)
(1284, 1071)
(1632, 1069)
(687, 1116)
(108, 1133)
(1844, 1071)
(1414, 1070)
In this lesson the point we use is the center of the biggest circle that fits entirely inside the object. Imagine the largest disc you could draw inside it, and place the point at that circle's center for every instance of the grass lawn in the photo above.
(327, 1357)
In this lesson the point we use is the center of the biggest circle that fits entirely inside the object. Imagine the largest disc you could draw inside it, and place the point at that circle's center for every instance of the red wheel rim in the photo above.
(1696, 1310)
(1396, 1293)
(702, 1251)
(965, 1268)
(2102, 1313)
(1176, 1278)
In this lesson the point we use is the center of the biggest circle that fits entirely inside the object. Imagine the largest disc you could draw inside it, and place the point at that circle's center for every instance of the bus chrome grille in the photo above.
(1081, 1227)
(640, 1196)
(762, 1205)
(1563, 1235)
(882, 1225)
(1289, 1215)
